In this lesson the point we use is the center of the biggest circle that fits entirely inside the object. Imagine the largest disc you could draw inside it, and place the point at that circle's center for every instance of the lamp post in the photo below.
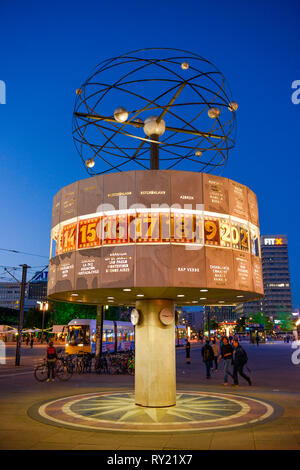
(43, 307)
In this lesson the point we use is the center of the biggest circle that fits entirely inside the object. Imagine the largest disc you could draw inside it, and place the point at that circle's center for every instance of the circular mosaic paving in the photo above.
(116, 411)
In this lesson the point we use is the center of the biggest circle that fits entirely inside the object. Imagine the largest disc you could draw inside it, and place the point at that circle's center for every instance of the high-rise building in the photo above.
(220, 314)
(192, 317)
(276, 279)
(10, 293)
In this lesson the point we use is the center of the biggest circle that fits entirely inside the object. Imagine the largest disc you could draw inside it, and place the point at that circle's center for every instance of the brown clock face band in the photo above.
(149, 234)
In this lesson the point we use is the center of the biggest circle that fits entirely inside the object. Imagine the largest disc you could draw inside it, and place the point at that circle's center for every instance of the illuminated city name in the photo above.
(155, 226)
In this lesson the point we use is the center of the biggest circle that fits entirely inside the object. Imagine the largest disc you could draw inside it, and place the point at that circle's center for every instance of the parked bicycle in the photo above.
(62, 370)
(80, 363)
(116, 363)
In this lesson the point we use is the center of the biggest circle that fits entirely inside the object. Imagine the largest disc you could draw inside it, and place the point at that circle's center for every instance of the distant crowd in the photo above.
(229, 350)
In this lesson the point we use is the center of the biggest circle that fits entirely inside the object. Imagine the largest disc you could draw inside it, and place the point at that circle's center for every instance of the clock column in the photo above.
(155, 371)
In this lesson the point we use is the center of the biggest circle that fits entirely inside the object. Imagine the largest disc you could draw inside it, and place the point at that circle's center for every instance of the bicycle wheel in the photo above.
(62, 372)
(80, 367)
(41, 373)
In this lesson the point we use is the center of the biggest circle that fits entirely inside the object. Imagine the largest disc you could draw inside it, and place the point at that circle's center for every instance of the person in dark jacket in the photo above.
(51, 361)
(239, 359)
(188, 351)
(208, 357)
(226, 355)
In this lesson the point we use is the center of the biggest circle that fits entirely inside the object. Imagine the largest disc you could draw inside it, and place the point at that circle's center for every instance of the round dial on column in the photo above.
(166, 316)
(134, 317)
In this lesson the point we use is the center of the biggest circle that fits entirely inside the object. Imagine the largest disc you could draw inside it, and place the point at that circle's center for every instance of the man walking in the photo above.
(226, 355)
(208, 357)
(239, 359)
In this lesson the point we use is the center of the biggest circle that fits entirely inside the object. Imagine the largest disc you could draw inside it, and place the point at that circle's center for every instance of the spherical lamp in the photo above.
(90, 163)
(121, 114)
(233, 106)
(152, 127)
(213, 113)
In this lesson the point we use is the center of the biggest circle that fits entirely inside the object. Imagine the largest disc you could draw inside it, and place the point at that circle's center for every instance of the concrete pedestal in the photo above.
(155, 371)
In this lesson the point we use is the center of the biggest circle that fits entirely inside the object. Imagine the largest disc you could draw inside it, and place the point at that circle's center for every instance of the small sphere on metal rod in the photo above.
(213, 113)
(198, 153)
(78, 91)
(121, 114)
(184, 65)
(233, 106)
(90, 163)
(138, 122)
(152, 127)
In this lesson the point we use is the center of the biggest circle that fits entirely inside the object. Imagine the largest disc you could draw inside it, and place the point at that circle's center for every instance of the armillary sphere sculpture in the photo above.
(142, 231)
(166, 101)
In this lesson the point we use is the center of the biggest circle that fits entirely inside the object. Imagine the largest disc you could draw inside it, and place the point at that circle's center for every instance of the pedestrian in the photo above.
(188, 351)
(51, 361)
(208, 357)
(226, 355)
(216, 350)
(27, 340)
(31, 342)
(230, 339)
(257, 339)
(239, 360)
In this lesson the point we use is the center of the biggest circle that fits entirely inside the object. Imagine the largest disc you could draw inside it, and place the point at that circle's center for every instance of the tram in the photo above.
(117, 336)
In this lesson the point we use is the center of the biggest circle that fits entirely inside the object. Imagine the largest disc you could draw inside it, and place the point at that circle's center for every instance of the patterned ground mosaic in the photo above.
(116, 411)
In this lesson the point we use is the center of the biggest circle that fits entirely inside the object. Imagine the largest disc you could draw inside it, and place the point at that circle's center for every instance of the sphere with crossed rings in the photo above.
(154, 108)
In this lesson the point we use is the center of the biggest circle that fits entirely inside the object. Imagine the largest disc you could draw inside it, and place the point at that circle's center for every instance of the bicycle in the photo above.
(62, 370)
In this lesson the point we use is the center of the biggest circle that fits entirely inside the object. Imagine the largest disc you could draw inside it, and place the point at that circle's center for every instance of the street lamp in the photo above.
(43, 307)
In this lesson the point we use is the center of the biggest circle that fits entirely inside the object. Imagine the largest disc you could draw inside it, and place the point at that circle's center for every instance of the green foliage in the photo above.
(287, 322)
(261, 319)
(34, 319)
(240, 325)
(9, 316)
(117, 313)
(212, 324)
(63, 313)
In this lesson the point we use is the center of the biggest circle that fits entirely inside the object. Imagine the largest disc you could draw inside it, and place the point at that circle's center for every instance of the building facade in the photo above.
(221, 314)
(276, 279)
(10, 293)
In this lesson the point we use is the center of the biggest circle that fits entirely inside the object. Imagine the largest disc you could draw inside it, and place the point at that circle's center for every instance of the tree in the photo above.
(64, 312)
(287, 322)
(240, 325)
(34, 318)
(261, 319)
(212, 324)
(9, 316)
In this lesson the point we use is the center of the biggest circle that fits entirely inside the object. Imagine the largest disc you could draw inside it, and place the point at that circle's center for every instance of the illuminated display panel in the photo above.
(115, 229)
(150, 227)
(89, 233)
(67, 238)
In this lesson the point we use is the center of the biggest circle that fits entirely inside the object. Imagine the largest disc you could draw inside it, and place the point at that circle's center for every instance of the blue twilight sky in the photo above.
(49, 47)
